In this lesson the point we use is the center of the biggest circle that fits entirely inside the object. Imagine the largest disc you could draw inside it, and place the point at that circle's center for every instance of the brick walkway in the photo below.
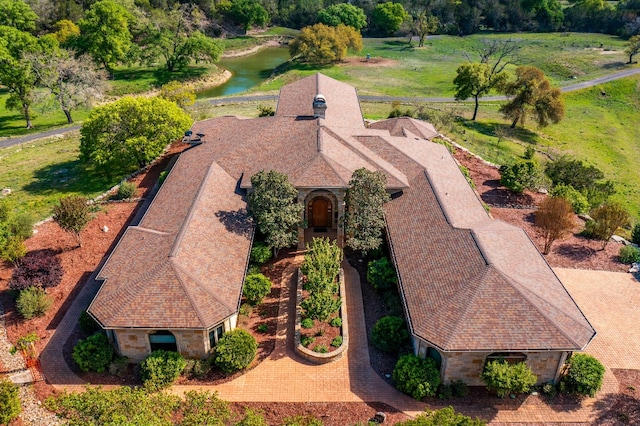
(608, 299)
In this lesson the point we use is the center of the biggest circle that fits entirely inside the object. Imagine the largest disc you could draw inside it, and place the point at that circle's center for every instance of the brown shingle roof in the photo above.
(404, 126)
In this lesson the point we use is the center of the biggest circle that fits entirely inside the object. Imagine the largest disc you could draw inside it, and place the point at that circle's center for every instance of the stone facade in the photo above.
(134, 343)
(336, 197)
(468, 366)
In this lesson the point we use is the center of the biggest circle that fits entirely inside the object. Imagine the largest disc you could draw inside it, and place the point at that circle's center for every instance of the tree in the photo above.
(319, 305)
(343, 13)
(274, 208)
(16, 72)
(104, 33)
(633, 47)
(322, 44)
(424, 24)
(522, 175)
(130, 132)
(72, 214)
(606, 219)
(179, 93)
(387, 17)
(475, 80)
(70, 80)
(245, 13)
(66, 31)
(364, 216)
(17, 14)
(178, 39)
(555, 219)
(443, 417)
(532, 93)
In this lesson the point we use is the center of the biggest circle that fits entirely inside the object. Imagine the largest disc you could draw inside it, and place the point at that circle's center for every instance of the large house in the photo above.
(473, 288)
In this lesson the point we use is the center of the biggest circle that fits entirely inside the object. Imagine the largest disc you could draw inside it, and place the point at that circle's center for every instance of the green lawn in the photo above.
(40, 173)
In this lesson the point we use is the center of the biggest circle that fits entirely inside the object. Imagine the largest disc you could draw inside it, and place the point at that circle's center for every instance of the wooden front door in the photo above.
(320, 213)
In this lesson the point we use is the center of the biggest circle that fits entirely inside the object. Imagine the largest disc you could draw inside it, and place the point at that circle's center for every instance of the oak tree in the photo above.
(343, 13)
(387, 17)
(633, 47)
(323, 44)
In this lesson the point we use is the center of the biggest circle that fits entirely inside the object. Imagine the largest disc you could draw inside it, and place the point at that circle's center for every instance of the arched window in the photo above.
(163, 340)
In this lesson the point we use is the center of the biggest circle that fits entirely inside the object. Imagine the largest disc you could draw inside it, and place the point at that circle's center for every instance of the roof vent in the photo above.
(319, 106)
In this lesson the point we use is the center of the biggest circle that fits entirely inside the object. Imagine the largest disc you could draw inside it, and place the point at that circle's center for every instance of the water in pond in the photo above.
(248, 71)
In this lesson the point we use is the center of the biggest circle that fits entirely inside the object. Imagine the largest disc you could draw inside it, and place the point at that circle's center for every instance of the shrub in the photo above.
(252, 418)
(253, 269)
(392, 302)
(161, 368)
(266, 111)
(72, 214)
(204, 408)
(572, 172)
(549, 389)
(87, 324)
(33, 302)
(21, 226)
(459, 388)
(306, 340)
(445, 391)
(322, 265)
(381, 274)
(336, 342)
(126, 190)
(584, 375)
(235, 351)
(389, 334)
(578, 201)
(444, 416)
(263, 328)
(522, 175)
(161, 178)
(418, 377)
(256, 287)
(13, 250)
(302, 421)
(9, 401)
(505, 378)
(197, 367)
(119, 366)
(629, 254)
(260, 253)
(321, 349)
(307, 323)
(42, 269)
(606, 220)
(93, 353)
(529, 152)
(635, 234)
(336, 322)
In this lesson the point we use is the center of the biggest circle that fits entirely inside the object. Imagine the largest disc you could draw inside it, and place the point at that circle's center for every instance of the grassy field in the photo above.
(397, 69)
(40, 173)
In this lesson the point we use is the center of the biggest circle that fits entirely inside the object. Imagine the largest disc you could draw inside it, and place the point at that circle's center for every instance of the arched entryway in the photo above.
(320, 212)
(163, 340)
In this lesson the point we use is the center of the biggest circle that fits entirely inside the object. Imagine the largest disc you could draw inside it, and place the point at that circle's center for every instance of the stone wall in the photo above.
(134, 343)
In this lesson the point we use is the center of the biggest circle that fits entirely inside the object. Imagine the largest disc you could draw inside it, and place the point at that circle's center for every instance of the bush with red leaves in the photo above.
(37, 269)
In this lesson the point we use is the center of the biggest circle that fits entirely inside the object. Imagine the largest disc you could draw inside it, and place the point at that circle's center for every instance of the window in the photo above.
(163, 340)
(215, 335)
(509, 357)
(435, 355)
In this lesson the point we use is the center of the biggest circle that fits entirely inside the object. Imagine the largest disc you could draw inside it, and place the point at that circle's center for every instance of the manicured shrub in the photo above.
(197, 367)
(21, 226)
(336, 342)
(522, 175)
(584, 375)
(126, 190)
(9, 401)
(204, 408)
(260, 253)
(381, 274)
(389, 334)
(252, 418)
(306, 340)
(37, 269)
(336, 322)
(629, 254)
(13, 250)
(253, 269)
(161, 368)
(256, 287)
(321, 265)
(606, 220)
(418, 377)
(321, 349)
(87, 324)
(444, 416)
(33, 302)
(505, 378)
(93, 353)
(302, 421)
(635, 234)
(307, 323)
(578, 201)
(235, 351)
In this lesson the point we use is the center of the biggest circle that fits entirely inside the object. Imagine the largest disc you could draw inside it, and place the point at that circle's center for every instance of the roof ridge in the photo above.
(199, 284)
(525, 293)
(331, 165)
(150, 230)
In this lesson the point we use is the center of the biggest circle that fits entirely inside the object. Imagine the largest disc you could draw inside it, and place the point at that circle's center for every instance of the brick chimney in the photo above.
(319, 106)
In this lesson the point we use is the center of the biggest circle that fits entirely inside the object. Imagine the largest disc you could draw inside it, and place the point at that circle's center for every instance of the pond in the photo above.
(248, 71)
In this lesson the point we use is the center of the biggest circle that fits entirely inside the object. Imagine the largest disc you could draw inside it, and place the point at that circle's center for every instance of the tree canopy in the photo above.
(475, 80)
(364, 218)
(343, 13)
(555, 219)
(532, 93)
(633, 47)
(130, 132)
(274, 207)
(323, 44)
(245, 13)
(423, 25)
(387, 17)
(17, 14)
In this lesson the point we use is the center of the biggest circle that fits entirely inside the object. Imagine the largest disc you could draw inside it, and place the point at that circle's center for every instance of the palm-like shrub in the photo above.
(235, 351)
